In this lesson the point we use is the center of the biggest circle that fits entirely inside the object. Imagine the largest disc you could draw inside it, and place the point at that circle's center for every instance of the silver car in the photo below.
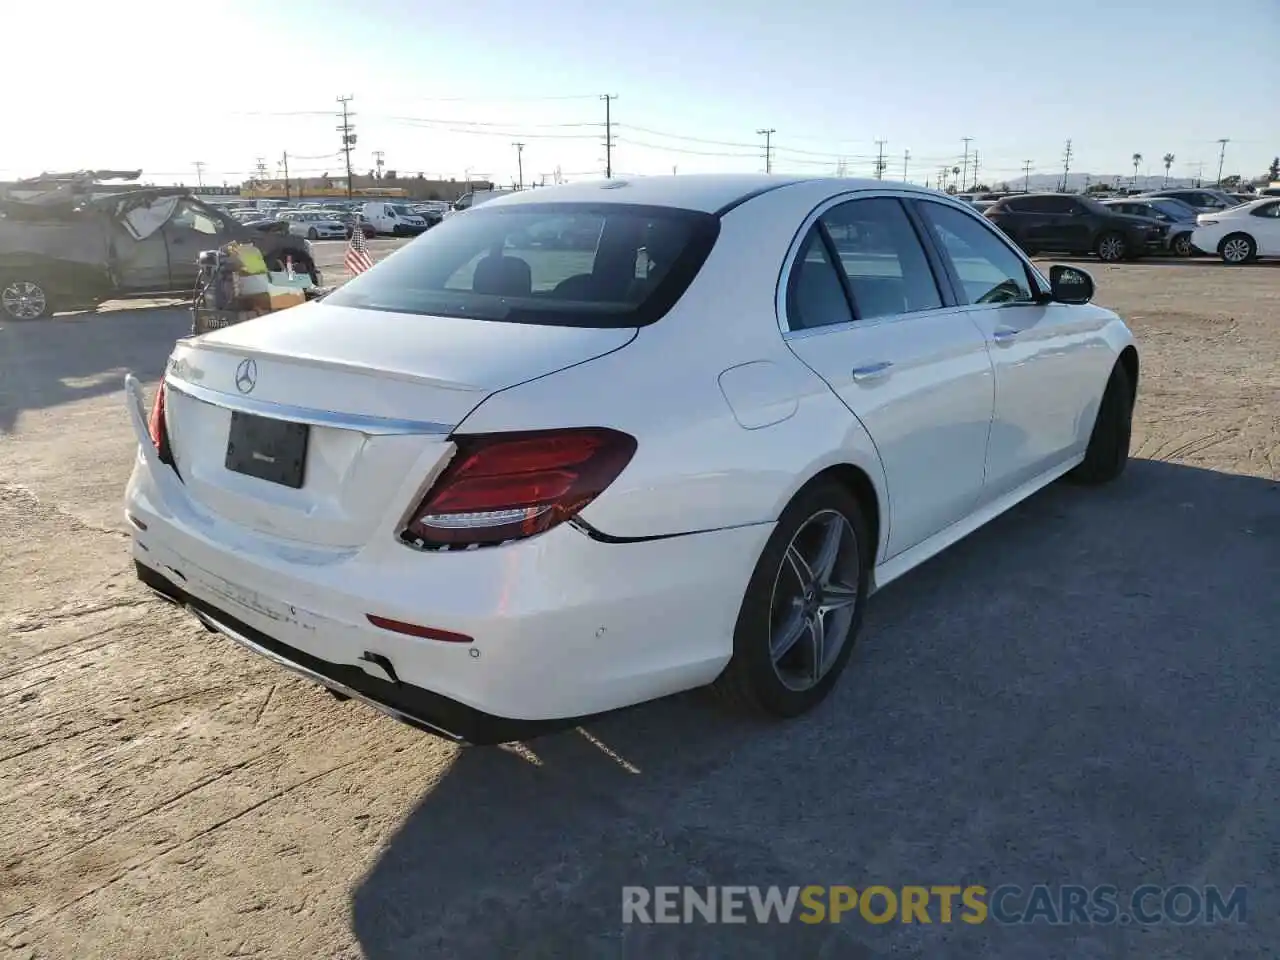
(314, 225)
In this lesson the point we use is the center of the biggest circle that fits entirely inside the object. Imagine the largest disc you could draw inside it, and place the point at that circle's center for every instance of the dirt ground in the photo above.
(1082, 692)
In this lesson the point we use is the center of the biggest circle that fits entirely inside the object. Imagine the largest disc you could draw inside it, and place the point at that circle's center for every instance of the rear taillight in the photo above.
(156, 424)
(506, 486)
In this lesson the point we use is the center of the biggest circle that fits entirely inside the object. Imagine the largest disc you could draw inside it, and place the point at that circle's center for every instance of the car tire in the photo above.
(1111, 247)
(1181, 245)
(756, 680)
(312, 234)
(22, 298)
(1237, 248)
(1108, 452)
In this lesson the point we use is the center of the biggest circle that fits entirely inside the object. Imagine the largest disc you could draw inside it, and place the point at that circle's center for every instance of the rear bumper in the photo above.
(562, 626)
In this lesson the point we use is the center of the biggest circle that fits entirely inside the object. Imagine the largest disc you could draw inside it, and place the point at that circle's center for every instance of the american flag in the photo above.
(357, 259)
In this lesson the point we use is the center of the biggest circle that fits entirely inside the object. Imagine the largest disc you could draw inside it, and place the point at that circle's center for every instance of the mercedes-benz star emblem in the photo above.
(247, 375)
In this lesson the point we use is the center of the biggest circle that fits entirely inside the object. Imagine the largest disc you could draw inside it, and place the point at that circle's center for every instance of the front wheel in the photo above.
(1108, 452)
(312, 234)
(1237, 248)
(24, 299)
(1111, 248)
(803, 606)
(1182, 245)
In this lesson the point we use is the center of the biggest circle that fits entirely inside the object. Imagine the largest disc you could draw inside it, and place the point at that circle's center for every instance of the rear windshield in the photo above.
(577, 265)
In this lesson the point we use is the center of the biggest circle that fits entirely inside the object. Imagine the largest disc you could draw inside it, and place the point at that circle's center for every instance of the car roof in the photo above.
(708, 192)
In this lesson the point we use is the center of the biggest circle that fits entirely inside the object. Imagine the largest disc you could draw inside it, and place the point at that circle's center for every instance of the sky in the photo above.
(448, 89)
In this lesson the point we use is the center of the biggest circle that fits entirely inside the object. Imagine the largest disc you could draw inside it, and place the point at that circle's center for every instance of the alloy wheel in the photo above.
(1111, 249)
(815, 597)
(23, 300)
(1182, 246)
(1236, 250)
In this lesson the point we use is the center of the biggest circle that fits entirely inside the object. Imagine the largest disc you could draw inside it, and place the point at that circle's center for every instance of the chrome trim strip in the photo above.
(373, 426)
(237, 637)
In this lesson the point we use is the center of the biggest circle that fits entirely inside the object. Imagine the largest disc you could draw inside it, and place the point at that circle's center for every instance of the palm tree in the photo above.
(1137, 159)
(1168, 162)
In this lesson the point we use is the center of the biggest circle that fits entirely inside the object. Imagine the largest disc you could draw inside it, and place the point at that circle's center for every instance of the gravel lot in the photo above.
(1083, 692)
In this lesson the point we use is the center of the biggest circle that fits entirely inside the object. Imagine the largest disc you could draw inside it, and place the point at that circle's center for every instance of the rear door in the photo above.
(866, 312)
(1264, 224)
(1049, 358)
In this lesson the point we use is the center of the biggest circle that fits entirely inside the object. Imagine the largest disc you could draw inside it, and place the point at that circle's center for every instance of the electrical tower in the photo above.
(608, 99)
(964, 168)
(880, 164)
(378, 161)
(520, 163)
(260, 170)
(199, 165)
(1066, 165)
(348, 137)
(768, 147)
(1026, 176)
(1222, 155)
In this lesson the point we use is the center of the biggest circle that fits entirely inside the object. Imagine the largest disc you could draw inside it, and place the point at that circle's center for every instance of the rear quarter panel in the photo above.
(697, 466)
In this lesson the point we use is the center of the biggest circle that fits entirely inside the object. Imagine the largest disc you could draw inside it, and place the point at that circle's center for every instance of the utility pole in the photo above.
(1066, 165)
(906, 156)
(942, 178)
(284, 162)
(964, 169)
(1199, 172)
(1222, 155)
(880, 164)
(768, 147)
(260, 168)
(974, 183)
(608, 99)
(378, 161)
(520, 162)
(199, 165)
(1026, 176)
(348, 137)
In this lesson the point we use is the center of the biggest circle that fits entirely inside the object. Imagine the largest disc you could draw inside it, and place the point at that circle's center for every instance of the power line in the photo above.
(608, 99)
(767, 133)
(348, 137)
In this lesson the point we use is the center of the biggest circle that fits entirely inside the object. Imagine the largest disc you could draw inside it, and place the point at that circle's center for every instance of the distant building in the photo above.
(410, 188)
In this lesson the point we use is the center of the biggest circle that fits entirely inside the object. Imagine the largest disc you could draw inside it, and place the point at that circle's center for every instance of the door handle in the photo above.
(1004, 336)
(872, 371)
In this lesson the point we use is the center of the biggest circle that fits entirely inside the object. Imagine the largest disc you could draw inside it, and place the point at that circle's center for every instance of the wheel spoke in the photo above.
(837, 596)
(829, 550)
(799, 566)
(795, 628)
(817, 642)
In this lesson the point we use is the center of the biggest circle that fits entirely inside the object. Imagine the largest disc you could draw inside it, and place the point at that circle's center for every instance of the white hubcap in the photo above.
(23, 300)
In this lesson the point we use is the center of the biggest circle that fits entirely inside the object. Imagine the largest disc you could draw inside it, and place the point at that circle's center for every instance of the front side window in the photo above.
(196, 218)
(882, 258)
(613, 265)
(988, 269)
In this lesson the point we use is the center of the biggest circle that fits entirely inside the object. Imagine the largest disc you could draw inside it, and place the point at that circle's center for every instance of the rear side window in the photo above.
(815, 295)
(882, 258)
(578, 265)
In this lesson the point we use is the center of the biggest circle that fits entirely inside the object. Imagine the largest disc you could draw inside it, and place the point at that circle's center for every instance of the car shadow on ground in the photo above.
(46, 363)
(1081, 692)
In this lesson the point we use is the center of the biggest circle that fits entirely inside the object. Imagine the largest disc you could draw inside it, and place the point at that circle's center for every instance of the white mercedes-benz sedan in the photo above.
(596, 444)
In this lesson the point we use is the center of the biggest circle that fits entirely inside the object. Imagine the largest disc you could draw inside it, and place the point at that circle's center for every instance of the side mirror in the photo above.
(1070, 284)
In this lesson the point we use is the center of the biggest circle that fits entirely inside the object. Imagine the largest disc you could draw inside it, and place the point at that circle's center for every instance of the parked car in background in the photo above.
(314, 225)
(1066, 223)
(493, 492)
(432, 211)
(394, 219)
(1180, 218)
(1204, 199)
(475, 198)
(352, 219)
(1241, 234)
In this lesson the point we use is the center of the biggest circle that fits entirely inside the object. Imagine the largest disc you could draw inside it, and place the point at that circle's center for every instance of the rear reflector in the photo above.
(415, 630)
(505, 486)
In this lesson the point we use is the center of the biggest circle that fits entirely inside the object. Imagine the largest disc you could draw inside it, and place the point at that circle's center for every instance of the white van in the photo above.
(475, 198)
(393, 218)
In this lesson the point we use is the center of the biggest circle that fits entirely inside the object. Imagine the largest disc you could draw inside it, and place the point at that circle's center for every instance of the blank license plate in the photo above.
(271, 450)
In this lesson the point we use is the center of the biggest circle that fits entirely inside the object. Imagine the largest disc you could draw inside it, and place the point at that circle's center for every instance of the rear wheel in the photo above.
(1111, 248)
(803, 606)
(312, 234)
(1237, 248)
(22, 298)
(1108, 451)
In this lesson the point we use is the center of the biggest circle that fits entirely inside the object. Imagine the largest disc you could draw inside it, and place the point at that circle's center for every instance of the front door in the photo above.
(192, 229)
(866, 313)
(1049, 359)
